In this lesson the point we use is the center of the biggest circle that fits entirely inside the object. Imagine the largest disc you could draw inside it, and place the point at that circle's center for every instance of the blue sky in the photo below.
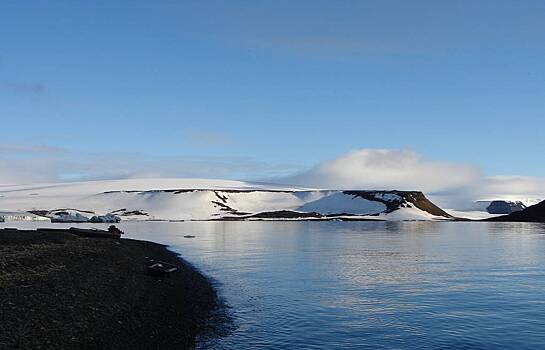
(272, 87)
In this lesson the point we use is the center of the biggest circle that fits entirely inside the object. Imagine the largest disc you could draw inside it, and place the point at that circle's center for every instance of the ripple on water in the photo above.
(357, 285)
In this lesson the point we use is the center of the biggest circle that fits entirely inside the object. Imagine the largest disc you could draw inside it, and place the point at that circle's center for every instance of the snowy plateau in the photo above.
(203, 199)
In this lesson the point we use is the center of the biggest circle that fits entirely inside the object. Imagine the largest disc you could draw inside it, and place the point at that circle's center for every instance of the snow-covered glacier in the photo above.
(203, 199)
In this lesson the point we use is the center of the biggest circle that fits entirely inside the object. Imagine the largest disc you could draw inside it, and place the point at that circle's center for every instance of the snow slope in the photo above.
(337, 202)
(201, 199)
(471, 214)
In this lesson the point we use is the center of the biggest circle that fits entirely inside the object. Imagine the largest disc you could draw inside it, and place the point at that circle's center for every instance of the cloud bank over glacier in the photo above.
(449, 184)
(514, 186)
(387, 169)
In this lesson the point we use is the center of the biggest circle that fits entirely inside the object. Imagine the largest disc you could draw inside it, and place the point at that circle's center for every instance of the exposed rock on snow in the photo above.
(339, 202)
(395, 200)
(130, 215)
(108, 218)
(69, 215)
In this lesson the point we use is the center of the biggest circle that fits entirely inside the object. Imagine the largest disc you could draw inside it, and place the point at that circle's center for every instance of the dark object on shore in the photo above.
(161, 269)
(534, 213)
(63, 291)
(189, 236)
(112, 232)
(115, 231)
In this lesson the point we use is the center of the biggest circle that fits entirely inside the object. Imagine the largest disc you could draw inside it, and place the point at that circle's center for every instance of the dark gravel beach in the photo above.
(60, 291)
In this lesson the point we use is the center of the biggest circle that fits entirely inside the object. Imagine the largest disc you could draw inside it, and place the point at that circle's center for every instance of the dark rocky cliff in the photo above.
(504, 207)
(398, 199)
(534, 213)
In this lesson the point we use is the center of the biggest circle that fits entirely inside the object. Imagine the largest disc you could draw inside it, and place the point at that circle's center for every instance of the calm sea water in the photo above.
(369, 285)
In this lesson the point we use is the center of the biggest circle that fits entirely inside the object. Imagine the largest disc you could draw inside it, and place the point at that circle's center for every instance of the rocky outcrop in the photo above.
(108, 218)
(395, 200)
(534, 213)
(504, 207)
(75, 216)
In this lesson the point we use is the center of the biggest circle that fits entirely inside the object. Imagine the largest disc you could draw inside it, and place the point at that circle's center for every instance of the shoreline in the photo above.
(65, 292)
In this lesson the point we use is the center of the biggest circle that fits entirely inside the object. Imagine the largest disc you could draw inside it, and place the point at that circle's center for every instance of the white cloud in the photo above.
(35, 164)
(387, 169)
(450, 185)
(515, 186)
